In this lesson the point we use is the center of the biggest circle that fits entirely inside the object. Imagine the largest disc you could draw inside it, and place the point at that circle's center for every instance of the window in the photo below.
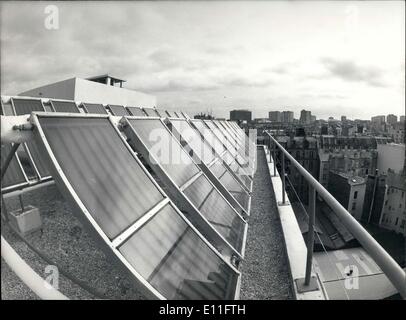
(354, 205)
(386, 202)
(402, 225)
(396, 222)
(403, 194)
(355, 194)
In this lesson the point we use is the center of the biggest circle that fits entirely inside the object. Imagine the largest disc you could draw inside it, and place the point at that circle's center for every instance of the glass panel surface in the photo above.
(151, 112)
(117, 110)
(208, 135)
(103, 172)
(176, 261)
(161, 113)
(168, 152)
(65, 106)
(216, 210)
(95, 108)
(136, 112)
(26, 106)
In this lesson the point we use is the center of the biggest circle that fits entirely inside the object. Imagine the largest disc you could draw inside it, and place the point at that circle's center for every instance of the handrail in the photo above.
(388, 265)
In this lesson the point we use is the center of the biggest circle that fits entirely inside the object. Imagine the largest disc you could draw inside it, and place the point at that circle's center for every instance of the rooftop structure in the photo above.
(100, 89)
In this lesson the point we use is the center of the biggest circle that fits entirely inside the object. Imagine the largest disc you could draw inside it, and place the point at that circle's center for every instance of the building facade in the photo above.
(305, 116)
(275, 116)
(393, 215)
(241, 115)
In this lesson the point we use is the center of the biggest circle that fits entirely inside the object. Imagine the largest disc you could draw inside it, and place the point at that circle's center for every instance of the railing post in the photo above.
(274, 158)
(310, 233)
(283, 178)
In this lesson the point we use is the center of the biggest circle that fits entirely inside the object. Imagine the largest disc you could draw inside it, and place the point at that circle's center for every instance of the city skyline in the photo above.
(340, 58)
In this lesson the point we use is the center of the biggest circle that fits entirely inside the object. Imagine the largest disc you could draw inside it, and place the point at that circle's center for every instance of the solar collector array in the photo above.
(181, 169)
(223, 152)
(204, 153)
(104, 179)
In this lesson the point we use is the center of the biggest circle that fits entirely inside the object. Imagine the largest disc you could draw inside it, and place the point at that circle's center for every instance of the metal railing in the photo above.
(388, 265)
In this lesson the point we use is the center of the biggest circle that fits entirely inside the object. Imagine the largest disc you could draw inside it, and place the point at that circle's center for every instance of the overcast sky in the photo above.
(333, 58)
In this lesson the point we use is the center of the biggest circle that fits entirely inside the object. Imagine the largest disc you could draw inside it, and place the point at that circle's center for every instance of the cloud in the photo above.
(350, 71)
(244, 81)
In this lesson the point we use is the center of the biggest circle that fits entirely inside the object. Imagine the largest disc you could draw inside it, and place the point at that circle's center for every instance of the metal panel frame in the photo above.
(111, 246)
(195, 215)
(27, 150)
(206, 168)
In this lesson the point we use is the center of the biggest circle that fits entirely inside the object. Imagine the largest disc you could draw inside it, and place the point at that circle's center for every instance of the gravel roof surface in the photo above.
(265, 271)
(69, 245)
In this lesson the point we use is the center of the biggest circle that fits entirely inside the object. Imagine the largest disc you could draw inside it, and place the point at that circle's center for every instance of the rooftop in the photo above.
(122, 222)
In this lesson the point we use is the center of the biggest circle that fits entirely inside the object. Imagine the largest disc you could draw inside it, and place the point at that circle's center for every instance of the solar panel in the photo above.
(228, 144)
(151, 138)
(197, 145)
(150, 112)
(223, 153)
(15, 176)
(171, 156)
(65, 106)
(171, 114)
(134, 111)
(204, 153)
(241, 147)
(129, 214)
(94, 108)
(161, 113)
(209, 136)
(26, 106)
(117, 110)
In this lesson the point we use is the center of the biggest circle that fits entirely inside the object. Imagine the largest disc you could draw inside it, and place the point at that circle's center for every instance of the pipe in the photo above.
(15, 129)
(27, 275)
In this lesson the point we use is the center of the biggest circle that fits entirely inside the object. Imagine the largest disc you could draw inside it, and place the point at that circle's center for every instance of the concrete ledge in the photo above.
(295, 245)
